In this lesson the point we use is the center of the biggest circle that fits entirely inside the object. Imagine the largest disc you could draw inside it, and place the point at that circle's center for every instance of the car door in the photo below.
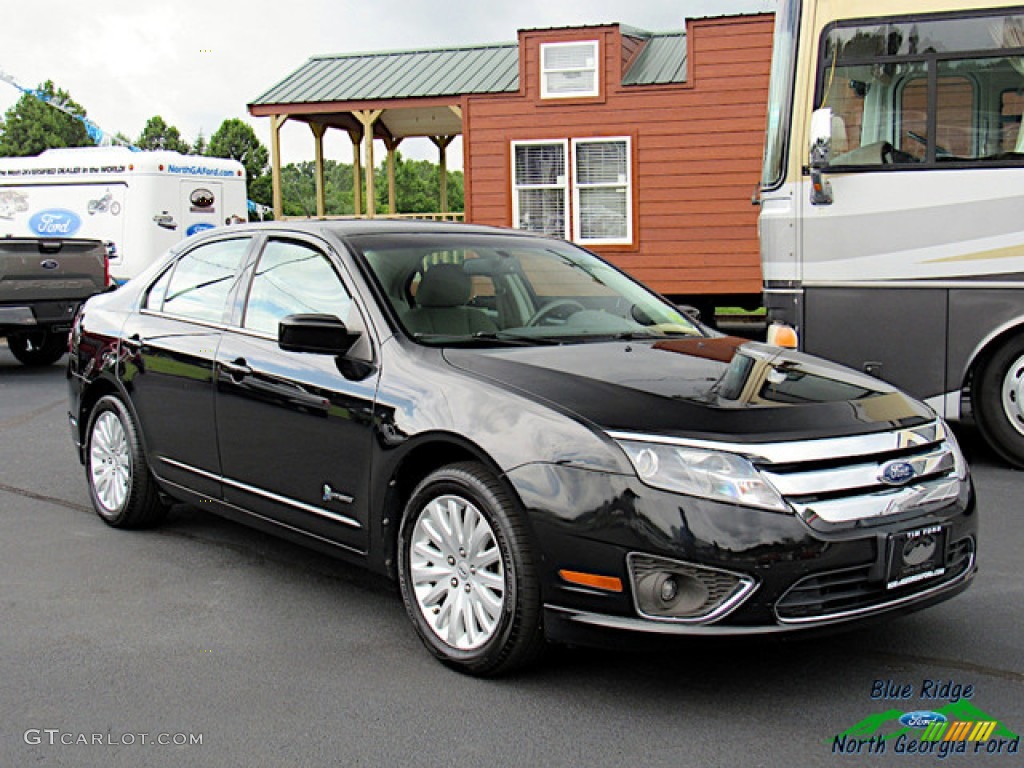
(295, 429)
(168, 360)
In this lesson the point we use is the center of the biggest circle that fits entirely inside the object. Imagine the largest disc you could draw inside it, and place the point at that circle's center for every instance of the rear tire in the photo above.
(124, 493)
(38, 348)
(467, 574)
(998, 399)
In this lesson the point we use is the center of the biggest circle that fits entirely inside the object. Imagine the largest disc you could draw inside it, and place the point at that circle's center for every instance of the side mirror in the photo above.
(820, 154)
(821, 137)
(316, 334)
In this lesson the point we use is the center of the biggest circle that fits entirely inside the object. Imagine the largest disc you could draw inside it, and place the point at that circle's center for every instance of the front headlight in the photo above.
(708, 474)
(959, 462)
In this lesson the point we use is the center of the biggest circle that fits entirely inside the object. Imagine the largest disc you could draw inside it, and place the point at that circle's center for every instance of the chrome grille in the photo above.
(848, 479)
(851, 590)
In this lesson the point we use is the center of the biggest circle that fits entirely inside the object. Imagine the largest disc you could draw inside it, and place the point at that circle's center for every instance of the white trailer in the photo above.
(141, 203)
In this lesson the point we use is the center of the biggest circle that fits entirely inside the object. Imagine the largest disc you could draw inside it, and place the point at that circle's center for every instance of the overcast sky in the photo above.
(198, 62)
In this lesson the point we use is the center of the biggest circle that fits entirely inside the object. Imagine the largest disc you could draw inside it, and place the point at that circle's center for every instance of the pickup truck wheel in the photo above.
(998, 399)
(466, 572)
(38, 348)
(122, 488)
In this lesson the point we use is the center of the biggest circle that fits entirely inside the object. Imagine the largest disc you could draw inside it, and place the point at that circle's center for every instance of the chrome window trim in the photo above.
(803, 451)
(343, 519)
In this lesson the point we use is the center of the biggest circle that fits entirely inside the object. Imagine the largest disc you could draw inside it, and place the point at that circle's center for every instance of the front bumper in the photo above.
(804, 577)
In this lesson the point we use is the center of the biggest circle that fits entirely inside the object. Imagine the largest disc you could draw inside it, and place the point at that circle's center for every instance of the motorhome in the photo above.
(892, 198)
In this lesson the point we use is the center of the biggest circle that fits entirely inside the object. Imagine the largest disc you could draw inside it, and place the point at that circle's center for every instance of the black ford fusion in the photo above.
(534, 445)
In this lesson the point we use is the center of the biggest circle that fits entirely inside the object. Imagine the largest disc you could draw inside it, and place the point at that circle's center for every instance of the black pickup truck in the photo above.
(42, 283)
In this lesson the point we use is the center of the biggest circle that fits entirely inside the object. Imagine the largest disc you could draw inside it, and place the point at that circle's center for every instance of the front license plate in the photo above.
(916, 556)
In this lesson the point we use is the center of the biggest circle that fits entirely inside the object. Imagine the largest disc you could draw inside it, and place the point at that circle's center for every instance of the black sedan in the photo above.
(534, 445)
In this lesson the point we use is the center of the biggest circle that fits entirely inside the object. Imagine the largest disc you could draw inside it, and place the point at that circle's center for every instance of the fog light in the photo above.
(668, 589)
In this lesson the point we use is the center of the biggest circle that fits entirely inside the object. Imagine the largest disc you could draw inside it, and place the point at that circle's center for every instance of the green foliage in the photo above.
(201, 145)
(159, 135)
(418, 187)
(31, 126)
(237, 140)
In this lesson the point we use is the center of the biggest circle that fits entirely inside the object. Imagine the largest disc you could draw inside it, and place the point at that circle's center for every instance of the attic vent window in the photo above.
(568, 70)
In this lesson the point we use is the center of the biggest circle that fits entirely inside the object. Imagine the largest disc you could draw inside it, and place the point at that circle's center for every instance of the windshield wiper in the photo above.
(482, 338)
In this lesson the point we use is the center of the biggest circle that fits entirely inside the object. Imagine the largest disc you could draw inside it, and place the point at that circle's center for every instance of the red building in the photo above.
(643, 147)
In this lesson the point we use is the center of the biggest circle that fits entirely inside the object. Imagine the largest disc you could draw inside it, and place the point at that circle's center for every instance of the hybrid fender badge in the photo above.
(329, 494)
(897, 473)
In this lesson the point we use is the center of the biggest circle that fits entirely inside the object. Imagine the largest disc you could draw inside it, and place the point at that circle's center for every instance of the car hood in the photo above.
(720, 388)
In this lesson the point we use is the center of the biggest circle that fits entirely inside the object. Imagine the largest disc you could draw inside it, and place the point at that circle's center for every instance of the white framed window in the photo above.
(540, 188)
(602, 191)
(599, 210)
(569, 70)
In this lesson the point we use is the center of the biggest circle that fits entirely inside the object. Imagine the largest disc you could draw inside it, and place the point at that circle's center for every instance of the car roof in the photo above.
(355, 227)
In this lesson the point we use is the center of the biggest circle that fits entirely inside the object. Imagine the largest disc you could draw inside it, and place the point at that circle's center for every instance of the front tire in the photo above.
(466, 572)
(998, 398)
(123, 491)
(38, 348)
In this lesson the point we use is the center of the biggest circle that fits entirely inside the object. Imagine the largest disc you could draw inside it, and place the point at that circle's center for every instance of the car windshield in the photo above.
(452, 289)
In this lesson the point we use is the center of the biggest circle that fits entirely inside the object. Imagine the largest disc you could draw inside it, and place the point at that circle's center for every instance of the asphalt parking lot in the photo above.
(204, 643)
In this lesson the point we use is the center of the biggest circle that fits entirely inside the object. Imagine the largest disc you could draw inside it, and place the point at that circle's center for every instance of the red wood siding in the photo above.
(696, 150)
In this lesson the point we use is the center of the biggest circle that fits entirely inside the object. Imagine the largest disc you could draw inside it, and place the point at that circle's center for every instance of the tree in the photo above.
(159, 135)
(201, 145)
(237, 140)
(31, 125)
(418, 187)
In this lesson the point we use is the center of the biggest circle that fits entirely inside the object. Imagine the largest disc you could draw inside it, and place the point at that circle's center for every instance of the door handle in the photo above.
(237, 369)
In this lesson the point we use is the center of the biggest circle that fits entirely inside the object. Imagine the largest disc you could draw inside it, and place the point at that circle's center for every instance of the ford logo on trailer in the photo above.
(55, 222)
(197, 228)
(897, 473)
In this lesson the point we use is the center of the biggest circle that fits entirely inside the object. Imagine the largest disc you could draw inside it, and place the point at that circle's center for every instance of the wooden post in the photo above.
(368, 117)
(392, 145)
(442, 142)
(276, 121)
(357, 179)
(318, 139)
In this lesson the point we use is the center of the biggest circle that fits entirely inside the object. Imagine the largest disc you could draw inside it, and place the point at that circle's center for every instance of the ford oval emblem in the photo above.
(49, 263)
(922, 718)
(897, 473)
(55, 222)
(197, 228)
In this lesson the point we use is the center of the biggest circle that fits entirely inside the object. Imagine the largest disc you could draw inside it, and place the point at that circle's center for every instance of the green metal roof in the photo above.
(450, 72)
(662, 61)
(400, 75)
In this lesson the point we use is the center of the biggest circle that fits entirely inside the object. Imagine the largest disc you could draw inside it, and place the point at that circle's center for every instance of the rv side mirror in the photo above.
(821, 138)
(316, 334)
(820, 154)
